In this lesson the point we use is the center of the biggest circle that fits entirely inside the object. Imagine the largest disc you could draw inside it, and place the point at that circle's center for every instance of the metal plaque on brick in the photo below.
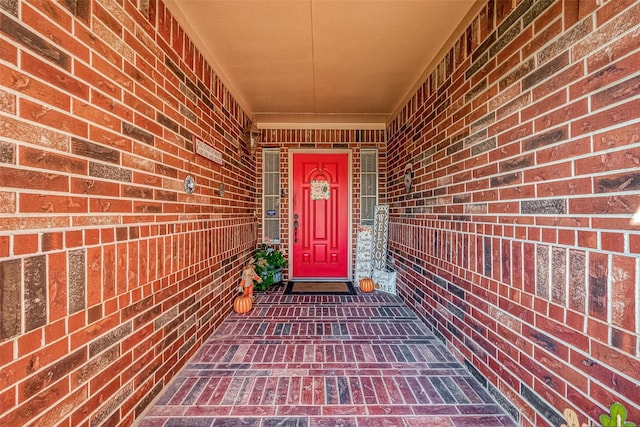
(208, 152)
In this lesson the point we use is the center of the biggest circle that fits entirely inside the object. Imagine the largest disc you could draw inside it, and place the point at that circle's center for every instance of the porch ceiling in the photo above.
(339, 62)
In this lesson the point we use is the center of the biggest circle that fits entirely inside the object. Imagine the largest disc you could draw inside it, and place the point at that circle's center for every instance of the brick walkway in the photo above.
(362, 360)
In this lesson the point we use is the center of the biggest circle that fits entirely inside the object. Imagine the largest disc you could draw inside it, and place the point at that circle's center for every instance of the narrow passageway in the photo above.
(362, 360)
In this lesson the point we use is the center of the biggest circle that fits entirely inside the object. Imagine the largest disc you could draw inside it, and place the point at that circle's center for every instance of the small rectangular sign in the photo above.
(271, 212)
(208, 152)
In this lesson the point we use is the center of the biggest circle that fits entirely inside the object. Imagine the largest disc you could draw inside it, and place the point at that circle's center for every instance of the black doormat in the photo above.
(312, 287)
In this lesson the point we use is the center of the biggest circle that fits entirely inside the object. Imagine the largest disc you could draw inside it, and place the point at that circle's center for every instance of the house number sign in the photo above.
(208, 152)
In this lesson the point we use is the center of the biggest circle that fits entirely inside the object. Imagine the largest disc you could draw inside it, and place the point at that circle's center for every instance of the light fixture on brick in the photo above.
(252, 137)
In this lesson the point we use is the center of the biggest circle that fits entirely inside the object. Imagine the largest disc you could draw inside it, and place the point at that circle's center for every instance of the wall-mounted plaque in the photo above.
(380, 232)
(363, 253)
(320, 190)
(384, 280)
(208, 152)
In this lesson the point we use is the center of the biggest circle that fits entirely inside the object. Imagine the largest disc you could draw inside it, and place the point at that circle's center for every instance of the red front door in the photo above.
(320, 215)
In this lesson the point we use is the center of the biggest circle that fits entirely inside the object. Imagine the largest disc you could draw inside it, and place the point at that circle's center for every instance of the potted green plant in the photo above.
(269, 265)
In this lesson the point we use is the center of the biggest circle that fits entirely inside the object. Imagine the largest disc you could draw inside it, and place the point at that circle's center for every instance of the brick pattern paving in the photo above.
(363, 360)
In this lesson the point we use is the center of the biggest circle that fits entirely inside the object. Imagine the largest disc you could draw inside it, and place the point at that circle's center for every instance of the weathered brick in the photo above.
(506, 179)
(619, 182)
(505, 39)
(514, 76)
(101, 13)
(101, 417)
(57, 285)
(561, 152)
(478, 64)
(77, 280)
(7, 152)
(99, 170)
(477, 89)
(174, 68)
(616, 115)
(536, 10)
(33, 180)
(42, 114)
(612, 73)
(542, 139)
(49, 161)
(516, 163)
(624, 341)
(542, 38)
(11, 298)
(188, 113)
(34, 42)
(137, 192)
(487, 256)
(48, 95)
(54, 372)
(559, 81)
(137, 133)
(615, 50)
(624, 302)
(7, 102)
(109, 339)
(567, 39)
(95, 151)
(79, 8)
(542, 271)
(8, 202)
(514, 105)
(39, 203)
(483, 121)
(514, 16)
(610, 31)
(598, 272)
(10, 6)
(558, 275)
(148, 398)
(546, 71)
(167, 122)
(617, 93)
(35, 292)
(549, 413)
(544, 207)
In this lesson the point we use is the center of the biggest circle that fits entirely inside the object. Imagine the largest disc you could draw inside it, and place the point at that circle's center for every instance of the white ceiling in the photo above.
(351, 63)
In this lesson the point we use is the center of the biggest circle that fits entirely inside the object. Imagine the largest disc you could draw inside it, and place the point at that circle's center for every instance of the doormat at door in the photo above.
(319, 288)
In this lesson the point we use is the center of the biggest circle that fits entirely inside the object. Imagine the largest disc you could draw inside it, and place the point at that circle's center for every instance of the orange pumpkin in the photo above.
(242, 304)
(366, 284)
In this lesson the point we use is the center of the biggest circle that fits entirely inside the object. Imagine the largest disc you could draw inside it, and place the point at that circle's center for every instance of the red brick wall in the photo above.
(111, 276)
(516, 242)
(323, 139)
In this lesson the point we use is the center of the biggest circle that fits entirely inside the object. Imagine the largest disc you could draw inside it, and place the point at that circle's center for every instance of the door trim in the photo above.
(349, 153)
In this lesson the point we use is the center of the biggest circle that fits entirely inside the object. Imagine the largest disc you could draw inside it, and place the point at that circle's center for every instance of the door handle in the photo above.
(295, 228)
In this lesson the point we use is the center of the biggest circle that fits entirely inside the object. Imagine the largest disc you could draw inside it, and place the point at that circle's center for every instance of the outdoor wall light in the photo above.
(252, 137)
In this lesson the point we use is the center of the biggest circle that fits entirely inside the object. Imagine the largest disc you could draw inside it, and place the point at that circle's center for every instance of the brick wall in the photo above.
(323, 139)
(111, 276)
(516, 242)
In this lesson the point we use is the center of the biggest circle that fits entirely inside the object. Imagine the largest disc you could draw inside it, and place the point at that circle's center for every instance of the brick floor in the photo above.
(363, 360)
